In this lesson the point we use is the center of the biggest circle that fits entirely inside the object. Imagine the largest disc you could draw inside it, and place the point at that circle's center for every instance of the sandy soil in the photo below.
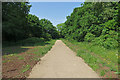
(62, 62)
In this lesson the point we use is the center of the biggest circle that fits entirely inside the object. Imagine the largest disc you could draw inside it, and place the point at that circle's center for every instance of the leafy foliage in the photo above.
(93, 22)
(97, 57)
(14, 20)
(18, 24)
(89, 37)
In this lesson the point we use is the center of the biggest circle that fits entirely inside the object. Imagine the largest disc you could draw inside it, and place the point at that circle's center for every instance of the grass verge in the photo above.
(101, 60)
(20, 64)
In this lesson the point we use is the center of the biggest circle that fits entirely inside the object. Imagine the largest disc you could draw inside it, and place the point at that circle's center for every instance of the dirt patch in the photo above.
(18, 66)
(108, 73)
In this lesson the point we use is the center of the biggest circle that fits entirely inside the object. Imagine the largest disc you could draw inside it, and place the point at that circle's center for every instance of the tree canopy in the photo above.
(18, 24)
(93, 22)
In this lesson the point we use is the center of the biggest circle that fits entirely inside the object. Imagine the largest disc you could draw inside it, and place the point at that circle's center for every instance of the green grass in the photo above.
(25, 45)
(41, 50)
(38, 50)
(4, 61)
(102, 73)
(25, 68)
(20, 57)
(110, 55)
(95, 55)
(33, 41)
(36, 59)
(117, 73)
(34, 51)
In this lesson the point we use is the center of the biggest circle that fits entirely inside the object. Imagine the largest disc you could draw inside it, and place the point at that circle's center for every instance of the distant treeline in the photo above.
(18, 24)
(93, 22)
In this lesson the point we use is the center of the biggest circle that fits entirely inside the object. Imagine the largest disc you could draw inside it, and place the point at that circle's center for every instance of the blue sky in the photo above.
(56, 12)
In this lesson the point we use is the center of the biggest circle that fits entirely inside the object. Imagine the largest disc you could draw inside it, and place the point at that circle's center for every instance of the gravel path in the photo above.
(62, 62)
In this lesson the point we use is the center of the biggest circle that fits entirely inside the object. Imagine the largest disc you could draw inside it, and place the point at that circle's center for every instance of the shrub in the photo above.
(110, 34)
(108, 39)
(47, 36)
(33, 40)
(102, 73)
(106, 42)
(99, 40)
(110, 43)
(89, 37)
(30, 41)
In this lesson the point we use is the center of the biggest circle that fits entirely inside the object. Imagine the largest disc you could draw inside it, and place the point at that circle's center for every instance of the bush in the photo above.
(33, 40)
(110, 34)
(30, 41)
(47, 36)
(106, 42)
(89, 37)
(108, 39)
(70, 39)
(99, 40)
(110, 43)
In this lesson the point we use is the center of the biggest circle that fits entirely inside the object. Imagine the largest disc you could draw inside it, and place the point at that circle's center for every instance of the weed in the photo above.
(107, 70)
(21, 58)
(4, 61)
(25, 68)
(102, 73)
(41, 50)
(34, 51)
(94, 55)
(36, 59)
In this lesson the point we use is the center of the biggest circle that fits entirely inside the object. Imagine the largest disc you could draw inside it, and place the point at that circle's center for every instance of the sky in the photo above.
(56, 12)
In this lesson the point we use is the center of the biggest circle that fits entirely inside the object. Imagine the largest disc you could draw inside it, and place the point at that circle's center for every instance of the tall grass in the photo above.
(95, 55)
(24, 45)
(41, 50)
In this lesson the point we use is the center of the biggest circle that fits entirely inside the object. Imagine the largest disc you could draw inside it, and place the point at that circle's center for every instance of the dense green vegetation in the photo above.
(34, 45)
(23, 45)
(18, 24)
(101, 60)
(93, 22)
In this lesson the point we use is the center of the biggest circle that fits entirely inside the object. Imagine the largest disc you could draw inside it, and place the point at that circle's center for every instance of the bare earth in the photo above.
(62, 62)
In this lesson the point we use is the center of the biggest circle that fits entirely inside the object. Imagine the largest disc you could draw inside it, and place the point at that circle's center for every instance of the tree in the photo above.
(93, 21)
(18, 24)
(35, 29)
(14, 20)
(48, 29)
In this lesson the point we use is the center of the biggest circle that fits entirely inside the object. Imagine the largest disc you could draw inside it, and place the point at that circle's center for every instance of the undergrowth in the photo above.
(95, 55)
